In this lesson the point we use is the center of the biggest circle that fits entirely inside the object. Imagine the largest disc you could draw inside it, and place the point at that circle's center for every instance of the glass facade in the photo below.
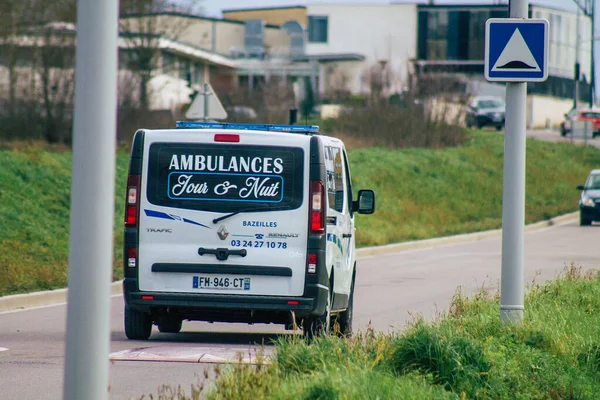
(454, 34)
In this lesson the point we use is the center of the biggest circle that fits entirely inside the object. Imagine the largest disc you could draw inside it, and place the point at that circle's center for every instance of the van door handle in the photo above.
(222, 254)
(346, 235)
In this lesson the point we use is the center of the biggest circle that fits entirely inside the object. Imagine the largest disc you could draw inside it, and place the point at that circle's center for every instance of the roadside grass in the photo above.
(426, 193)
(421, 193)
(35, 181)
(464, 354)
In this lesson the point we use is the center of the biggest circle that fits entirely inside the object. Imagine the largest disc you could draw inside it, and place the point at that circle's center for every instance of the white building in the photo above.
(384, 34)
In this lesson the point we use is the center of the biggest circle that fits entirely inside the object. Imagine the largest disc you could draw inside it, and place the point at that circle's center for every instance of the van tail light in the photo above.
(133, 201)
(311, 267)
(317, 207)
(132, 257)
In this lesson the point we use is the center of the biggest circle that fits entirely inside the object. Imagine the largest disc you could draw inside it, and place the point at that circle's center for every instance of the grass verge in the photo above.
(421, 193)
(426, 193)
(465, 354)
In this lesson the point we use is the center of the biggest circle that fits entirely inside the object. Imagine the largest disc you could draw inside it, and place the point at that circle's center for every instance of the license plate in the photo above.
(220, 282)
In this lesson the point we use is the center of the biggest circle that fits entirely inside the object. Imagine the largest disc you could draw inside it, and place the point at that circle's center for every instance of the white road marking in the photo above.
(214, 355)
(3, 349)
(16, 310)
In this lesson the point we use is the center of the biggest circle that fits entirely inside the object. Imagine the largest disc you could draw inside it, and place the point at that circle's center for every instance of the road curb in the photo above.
(46, 298)
(54, 297)
(467, 237)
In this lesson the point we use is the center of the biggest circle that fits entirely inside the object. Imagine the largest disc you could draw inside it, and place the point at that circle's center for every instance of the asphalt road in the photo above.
(554, 136)
(391, 290)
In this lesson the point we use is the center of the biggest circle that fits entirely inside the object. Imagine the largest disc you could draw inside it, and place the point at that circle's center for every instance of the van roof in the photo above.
(302, 129)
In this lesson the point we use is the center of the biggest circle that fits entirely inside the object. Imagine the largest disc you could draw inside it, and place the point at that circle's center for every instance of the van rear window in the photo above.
(225, 178)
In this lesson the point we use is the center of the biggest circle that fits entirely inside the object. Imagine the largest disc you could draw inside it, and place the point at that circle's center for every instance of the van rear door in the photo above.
(224, 217)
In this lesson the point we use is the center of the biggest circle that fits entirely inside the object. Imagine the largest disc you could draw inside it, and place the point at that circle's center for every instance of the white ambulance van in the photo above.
(239, 223)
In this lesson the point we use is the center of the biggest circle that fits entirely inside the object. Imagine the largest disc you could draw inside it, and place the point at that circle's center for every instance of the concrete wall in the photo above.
(230, 35)
(193, 31)
(546, 112)
(277, 40)
(378, 32)
(275, 16)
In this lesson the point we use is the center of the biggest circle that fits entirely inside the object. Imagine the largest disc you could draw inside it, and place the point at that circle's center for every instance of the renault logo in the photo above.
(222, 232)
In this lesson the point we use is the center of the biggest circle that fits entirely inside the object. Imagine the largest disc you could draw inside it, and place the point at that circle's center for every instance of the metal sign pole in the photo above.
(513, 197)
(206, 93)
(92, 201)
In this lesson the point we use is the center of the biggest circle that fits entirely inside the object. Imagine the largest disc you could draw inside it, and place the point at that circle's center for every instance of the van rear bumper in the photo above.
(311, 303)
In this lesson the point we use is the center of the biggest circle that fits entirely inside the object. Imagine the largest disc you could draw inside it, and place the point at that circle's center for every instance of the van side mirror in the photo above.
(365, 203)
(580, 187)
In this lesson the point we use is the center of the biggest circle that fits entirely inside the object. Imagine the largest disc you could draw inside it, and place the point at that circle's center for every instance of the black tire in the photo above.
(584, 221)
(345, 318)
(318, 325)
(170, 325)
(138, 325)
(498, 128)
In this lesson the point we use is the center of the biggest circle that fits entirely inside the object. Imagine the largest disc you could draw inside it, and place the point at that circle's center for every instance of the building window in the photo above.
(184, 70)
(169, 64)
(477, 34)
(198, 73)
(437, 44)
(317, 29)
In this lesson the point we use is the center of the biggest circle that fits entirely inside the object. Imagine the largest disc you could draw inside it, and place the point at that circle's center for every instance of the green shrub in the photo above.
(455, 361)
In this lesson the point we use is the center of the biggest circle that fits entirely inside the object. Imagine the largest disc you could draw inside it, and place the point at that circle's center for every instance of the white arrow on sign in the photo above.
(213, 110)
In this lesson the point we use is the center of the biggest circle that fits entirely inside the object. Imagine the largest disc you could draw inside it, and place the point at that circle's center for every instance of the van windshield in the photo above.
(225, 178)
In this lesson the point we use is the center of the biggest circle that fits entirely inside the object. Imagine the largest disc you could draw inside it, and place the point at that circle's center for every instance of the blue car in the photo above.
(589, 202)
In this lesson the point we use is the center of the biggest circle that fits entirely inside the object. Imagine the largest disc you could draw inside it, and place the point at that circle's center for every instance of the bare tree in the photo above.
(56, 72)
(16, 15)
(378, 79)
(270, 100)
(142, 25)
(337, 84)
(37, 47)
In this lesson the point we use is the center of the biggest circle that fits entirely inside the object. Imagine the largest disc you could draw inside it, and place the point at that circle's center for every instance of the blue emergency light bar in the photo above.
(306, 129)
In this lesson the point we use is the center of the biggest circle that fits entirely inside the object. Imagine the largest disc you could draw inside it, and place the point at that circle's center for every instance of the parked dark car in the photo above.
(486, 111)
(589, 202)
(581, 115)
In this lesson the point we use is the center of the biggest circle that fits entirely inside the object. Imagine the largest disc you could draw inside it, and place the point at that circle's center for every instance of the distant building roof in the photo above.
(174, 46)
(192, 16)
(330, 57)
(488, 6)
(262, 8)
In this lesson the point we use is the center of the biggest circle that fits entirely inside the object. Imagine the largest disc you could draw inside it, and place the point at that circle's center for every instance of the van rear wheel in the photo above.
(345, 317)
(318, 325)
(138, 325)
(170, 325)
